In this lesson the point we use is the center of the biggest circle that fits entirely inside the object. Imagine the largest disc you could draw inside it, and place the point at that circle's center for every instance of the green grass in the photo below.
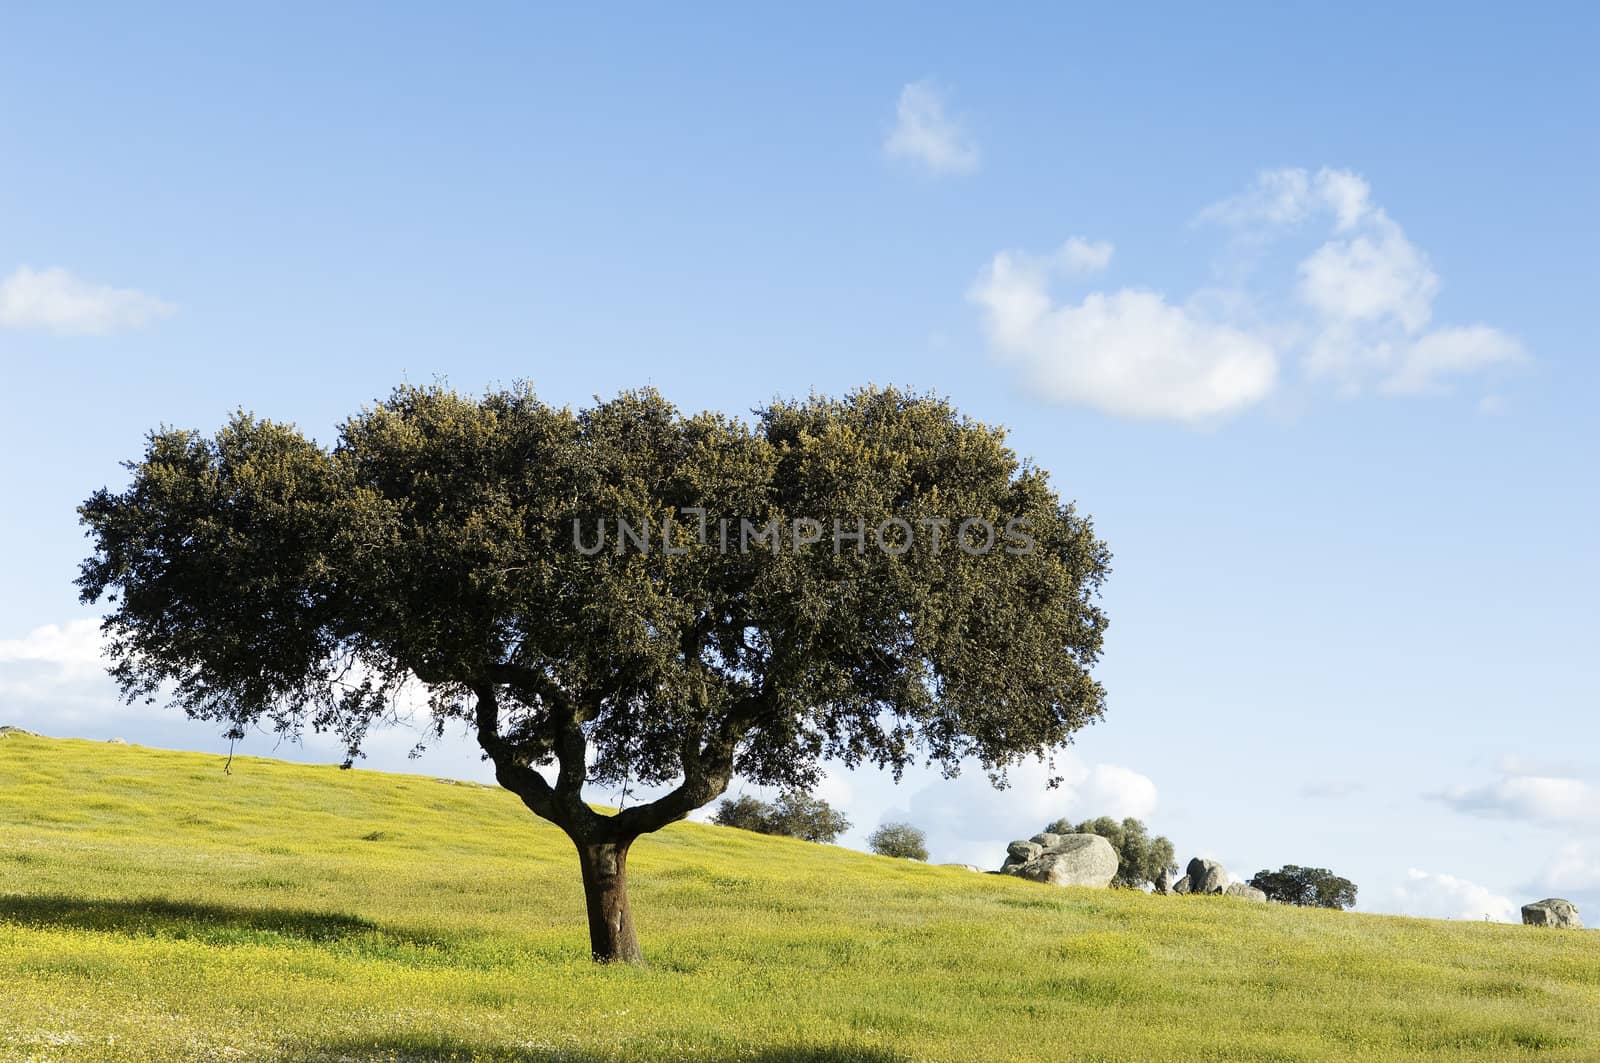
(152, 907)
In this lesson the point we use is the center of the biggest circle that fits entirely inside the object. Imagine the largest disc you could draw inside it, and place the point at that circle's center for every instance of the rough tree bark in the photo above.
(605, 890)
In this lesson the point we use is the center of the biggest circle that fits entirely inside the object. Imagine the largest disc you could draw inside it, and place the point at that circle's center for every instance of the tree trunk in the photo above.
(605, 889)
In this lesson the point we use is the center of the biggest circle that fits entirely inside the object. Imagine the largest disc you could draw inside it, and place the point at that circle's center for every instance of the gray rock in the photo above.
(1165, 881)
(1022, 852)
(1555, 911)
(9, 730)
(1249, 893)
(1181, 884)
(964, 867)
(1206, 876)
(1047, 840)
(1074, 860)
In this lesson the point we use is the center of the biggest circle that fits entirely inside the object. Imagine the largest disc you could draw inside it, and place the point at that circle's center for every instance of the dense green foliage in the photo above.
(744, 812)
(259, 579)
(795, 814)
(899, 839)
(1306, 887)
(1141, 858)
(154, 909)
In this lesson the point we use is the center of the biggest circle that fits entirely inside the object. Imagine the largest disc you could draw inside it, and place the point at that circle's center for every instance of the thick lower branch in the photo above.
(561, 804)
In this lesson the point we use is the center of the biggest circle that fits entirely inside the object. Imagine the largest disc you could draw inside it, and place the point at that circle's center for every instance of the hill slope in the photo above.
(152, 907)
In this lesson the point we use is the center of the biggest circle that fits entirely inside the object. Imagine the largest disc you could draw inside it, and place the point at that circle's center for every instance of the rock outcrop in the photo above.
(1063, 860)
(1206, 876)
(1201, 876)
(1249, 893)
(1022, 852)
(1555, 912)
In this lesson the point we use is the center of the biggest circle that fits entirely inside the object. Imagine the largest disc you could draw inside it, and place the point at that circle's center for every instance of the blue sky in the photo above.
(1295, 300)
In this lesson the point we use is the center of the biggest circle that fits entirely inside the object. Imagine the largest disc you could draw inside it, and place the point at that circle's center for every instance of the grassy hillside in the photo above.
(152, 907)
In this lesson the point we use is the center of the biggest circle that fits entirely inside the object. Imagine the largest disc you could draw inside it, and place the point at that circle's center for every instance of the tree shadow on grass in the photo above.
(183, 920)
(433, 1049)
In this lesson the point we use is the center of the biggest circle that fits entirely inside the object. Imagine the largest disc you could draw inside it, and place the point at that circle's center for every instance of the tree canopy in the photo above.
(1307, 887)
(261, 580)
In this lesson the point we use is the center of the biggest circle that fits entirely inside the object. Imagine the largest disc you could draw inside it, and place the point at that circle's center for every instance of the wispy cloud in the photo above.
(1078, 255)
(1575, 870)
(54, 300)
(925, 134)
(1355, 311)
(1331, 791)
(1556, 799)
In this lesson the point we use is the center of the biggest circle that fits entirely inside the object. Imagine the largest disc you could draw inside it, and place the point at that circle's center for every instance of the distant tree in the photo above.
(796, 814)
(899, 839)
(800, 815)
(744, 812)
(1141, 858)
(259, 579)
(1307, 887)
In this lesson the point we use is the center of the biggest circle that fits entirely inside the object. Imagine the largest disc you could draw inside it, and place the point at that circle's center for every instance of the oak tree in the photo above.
(795, 814)
(624, 594)
(900, 840)
(1306, 887)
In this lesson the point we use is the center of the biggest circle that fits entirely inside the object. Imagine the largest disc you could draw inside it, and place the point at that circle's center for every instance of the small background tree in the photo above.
(899, 839)
(1306, 887)
(1141, 858)
(745, 813)
(796, 814)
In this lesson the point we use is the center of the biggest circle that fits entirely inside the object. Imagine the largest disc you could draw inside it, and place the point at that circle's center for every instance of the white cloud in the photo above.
(923, 132)
(1544, 798)
(1575, 869)
(1371, 276)
(1128, 352)
(1331, 791)
(1451, 352)
(1371, 289)
(1355, 308)
(54, 300)
(1438, 896)
(53, 681)
(1347, 193)
(970, 821)
(73, 646)
(57, 664)
(1078, 255)
(1289, 196)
